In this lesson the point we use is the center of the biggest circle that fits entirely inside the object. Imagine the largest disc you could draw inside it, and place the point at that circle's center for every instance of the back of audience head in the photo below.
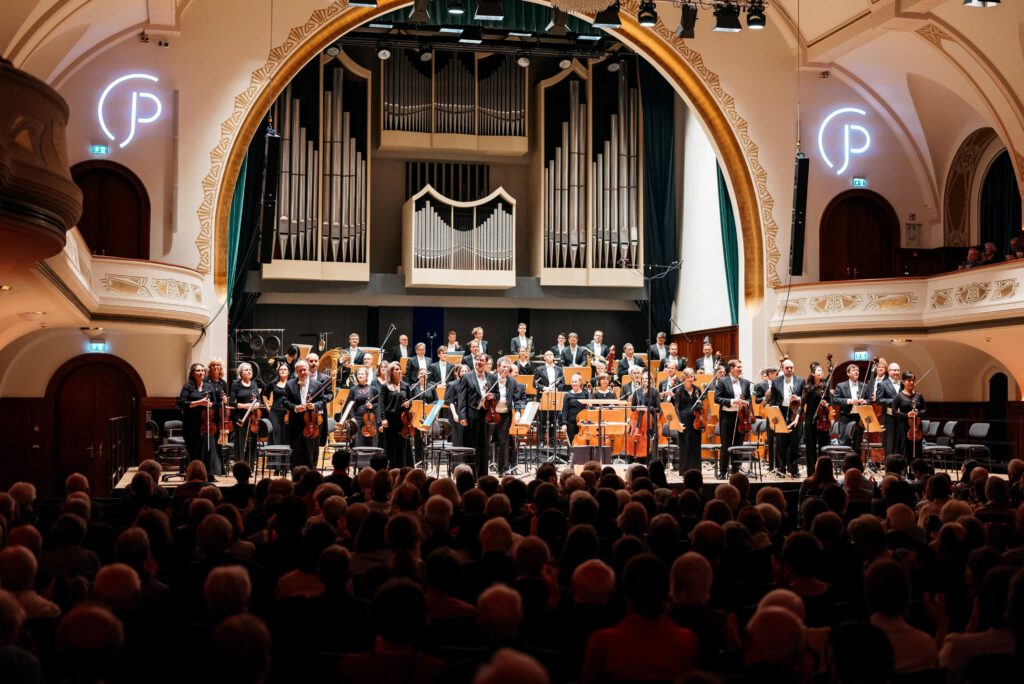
(227, 591)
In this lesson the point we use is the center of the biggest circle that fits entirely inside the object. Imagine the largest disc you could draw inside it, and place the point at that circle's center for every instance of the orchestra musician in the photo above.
(521, 341)
(355, 360)
(685, 398)
(548, 378)
(597, 345)
(244, 396)
(559, 348)
(573, 355)
(523, 365)
(629, 360)
(907, 404)
(452, 345)
(365, 400)
(787, 448)
(451, 401)
(814, 394)
(426, 392)
(474, 351)
(273, 396)
(401, 350)
(219, 383)
(732, 393)
(644, 394)
(707, 363)
(671, 377)
(473, 389)
(599, 368)
(658, 350)
(380, 378)
(758, 392)
(511, 398)
(673, 355)
(193, 400)
(849, 394)
(417, 363)
(394, 398)
(478, 336)
(441, 371)
(571, 407)
(602, 387)
(313, 361)
(886, 392)
(298, 400)
(291, 357)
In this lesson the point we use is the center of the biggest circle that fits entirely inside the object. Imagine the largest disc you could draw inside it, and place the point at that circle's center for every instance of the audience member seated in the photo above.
(887, 589)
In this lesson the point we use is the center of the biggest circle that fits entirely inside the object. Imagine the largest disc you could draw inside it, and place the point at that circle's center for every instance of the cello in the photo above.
(638, 445)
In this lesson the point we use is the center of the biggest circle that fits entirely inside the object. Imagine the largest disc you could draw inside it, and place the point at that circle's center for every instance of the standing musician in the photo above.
(474, 388)
(571, 407)
(659, 350)
(783, 388)
(355, 360)
(672, 377)
(313, 361)
(732, 393)
(401, 350)
(298, 400)
(907, 405)
(441, 372)
(522, 341)
(417, 363)
(548, 378)
(273, 396)
(573, 355)
(364, 398)
(758, 393)
(628, 360)
(453, 342)
(193, 400)
(244, 395)
(602, 387)
(559, 348)
(523, 365)
(478, 336)
(474, 351)
(885, 393)
(685, 398)
(813, 395)
(706, 364)
(451, 403)
(511, 398)
(219, 383)
(597, 345)
(644, 394)
(380, 377)
(849, 394)
(673, 355)
(394, 400)
(427, 393)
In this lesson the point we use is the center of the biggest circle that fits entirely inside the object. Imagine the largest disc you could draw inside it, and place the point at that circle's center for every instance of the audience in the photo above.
(574, 576)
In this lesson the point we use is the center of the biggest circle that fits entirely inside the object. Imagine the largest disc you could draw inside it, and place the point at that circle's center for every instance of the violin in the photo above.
(821, 417)
(491, 406)
(407, 428)
(208, 427)
(611, 358)
(369, 429)
(875, 406)
(311, 424)
(698, 416)
(225, 421)
(744, 419)
(914, 432)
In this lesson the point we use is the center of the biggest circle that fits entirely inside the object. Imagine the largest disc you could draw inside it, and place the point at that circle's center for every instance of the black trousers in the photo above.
(245, 444)
(475, 435)
(787, 449)
(394, 443)
(889, 436)
(814, 439)
(501, 438)
(730, 437)
(304, 451)
(689, 449)
(858, 432)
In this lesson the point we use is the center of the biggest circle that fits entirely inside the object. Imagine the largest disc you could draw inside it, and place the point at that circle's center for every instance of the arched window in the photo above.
(999, 204)
(115, 209)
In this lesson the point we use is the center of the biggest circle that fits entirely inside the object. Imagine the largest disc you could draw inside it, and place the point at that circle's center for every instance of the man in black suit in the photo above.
(401, 350)
(511, 398)
(313, 362)
(787, 445)
(628, 360)
(452, 345)
(885, 393)
(559, 348)
(673, 355)
(419, 362)
(442, 371)
(521, 341)
(659, 350)
(478, 335)
(299, 400)
(598, 346)
(573, 355)
(848, 395)
(355, 361)
(706, 363)
(473, 387)
(732, 393)
(548, 377)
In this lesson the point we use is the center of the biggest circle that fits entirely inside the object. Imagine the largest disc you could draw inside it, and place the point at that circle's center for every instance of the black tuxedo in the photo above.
(396, 352)
(653, 352)
(885, 394)
(699, 364)
(475, 434)
(304, 451)
(515, 399)
(541, 382)
(516, 344)
(842, 399)
(412, 368)
(579, 358)
(458, 349)
(558, 353)
(600, 349)
(727, 419)
(624, 365)
(680, 362)
(435, 375)
(787, 447)
(483, 346)
(356, 360)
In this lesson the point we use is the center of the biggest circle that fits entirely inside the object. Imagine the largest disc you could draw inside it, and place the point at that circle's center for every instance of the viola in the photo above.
(822, 420)
(914, 433)
(311, 424)
(369, 429)
(407, 428)
(208, 427)
(744, 419)
(491, 406)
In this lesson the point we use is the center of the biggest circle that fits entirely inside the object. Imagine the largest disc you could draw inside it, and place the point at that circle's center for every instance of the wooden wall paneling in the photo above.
(25, 450)
(724, 340)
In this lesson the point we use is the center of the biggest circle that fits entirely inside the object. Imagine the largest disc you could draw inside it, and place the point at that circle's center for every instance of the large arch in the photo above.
(680, 65)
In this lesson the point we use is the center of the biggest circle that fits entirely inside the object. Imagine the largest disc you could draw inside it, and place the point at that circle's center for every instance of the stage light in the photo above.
(608, 18)
(564, 63)
(557, 27)
(687, 22)
(981, 3)
(383, 53)
(333, 50)
(755, 16)
(523, 61)
(648, 14)
(456, 6)
(471, 36)
(489, 10)
(613, 67)
(420, 13)
(425, 53)
(727, 18)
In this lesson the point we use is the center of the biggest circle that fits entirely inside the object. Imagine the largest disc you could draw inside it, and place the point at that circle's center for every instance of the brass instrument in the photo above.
(332, 359)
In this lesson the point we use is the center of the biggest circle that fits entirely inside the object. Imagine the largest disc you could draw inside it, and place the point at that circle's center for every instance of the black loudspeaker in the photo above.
(796, 240)
(268, 195)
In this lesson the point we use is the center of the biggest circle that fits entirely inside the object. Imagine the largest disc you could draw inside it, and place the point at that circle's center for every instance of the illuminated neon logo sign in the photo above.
(850, 144)
(153, 107)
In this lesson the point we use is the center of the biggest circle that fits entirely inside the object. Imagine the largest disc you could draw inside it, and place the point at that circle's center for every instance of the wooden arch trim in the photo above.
(87, 359)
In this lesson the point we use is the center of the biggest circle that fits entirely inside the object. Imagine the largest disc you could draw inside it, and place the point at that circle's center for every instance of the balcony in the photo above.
(922, 305)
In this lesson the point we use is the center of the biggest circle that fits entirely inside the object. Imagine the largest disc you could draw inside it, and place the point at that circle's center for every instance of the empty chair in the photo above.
(941, 453)
(977, 433)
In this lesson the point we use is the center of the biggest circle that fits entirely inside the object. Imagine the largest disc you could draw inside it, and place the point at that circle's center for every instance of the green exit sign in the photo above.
(859, 182)
(99, 149)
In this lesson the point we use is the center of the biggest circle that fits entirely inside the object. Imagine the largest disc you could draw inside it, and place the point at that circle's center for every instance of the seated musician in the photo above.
(671, 380)
(364, 398)
(453, 342)
(573, 355)
(629, 360)
(600, 368)
(559, 347)
(523, 364)
(603, 389)
(571, 407)
(355, 360)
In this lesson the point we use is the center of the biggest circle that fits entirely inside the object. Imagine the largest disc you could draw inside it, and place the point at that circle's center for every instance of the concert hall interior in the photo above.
(760, 183)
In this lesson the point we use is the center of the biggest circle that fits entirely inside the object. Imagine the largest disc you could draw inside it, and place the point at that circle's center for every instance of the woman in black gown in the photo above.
(571, 407)
(813, 392)
(603, 387)
(193, 400)
(685, 398)
(365, 400)
(219, 383)
(244, 395)
(907, 404)
(274, 395)
(393, 397)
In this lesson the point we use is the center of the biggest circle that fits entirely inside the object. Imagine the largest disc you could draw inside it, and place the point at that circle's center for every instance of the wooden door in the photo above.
(87, 397)
(858, 237)
(115, 210)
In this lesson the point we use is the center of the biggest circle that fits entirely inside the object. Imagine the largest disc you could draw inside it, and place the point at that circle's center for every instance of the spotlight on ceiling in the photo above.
(362, 3)
(648, 14)
(471, 36)
(755, 16)
(420, 13)
(564, 63)
(687, 22)
(425, 53)
(456, 6)
(557, 27)
(981, 3)
(333, 50)
(383, 53)
(608, 18)
(727, 18)
(614, 67)
(489, 10)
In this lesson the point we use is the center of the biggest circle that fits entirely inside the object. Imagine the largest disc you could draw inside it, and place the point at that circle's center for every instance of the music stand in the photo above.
(569, 371)
(868, 418)
(669, 411)
(527, 382)
(521, 427)
(403, 362)
(551, 401)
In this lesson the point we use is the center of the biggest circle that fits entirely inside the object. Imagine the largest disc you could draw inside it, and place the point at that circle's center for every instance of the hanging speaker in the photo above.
(796, 239)
(268, 196)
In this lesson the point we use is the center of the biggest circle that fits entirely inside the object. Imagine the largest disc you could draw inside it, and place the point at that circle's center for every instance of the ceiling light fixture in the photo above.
(981, 3)
(420, 13)
(383, 53)
(456, 6)
(648, 14)
(557, 27)
(489, 10)
(564, 63)
(333, 50)
(727, 18)
(687, 22)
(755, 16)
(523, 60)
(614, 67)
(608, 18)
(471, 36)
(425, 53)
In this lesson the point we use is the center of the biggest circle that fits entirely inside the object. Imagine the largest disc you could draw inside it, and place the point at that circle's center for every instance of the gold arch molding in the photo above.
(682, 66)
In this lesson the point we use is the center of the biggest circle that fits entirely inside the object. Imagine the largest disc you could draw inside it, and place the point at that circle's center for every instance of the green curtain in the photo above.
(661, 240)
(235, 225)
(1000, 217)
(730, 248)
